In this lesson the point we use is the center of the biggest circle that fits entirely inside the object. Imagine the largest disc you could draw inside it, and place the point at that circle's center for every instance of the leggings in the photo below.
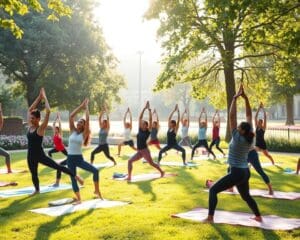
(217, 143)
(168, 147)
(254, 160)
(6, 155)
(53, 150)
(204, 144)
(186, 141)
(78, 161)
(100, 148)
(33, 162)
(238, 177)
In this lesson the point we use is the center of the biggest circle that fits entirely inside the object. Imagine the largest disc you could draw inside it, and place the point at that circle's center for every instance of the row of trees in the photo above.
(70, 57)
(216, 44)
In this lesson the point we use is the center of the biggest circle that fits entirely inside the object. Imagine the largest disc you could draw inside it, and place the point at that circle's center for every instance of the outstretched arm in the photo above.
(142, 114)
(171, 115)
(156, 118)
(247, 105)
(43, 126)
(34, 105)
(59, 124)
(265, 118)
(214, 118)
(178, 119)
(232, 111)
(200, 117)
(125, 116)
(73, 114)
(182, 117)
(86, 131)
(130, 118)
(205, 117)
(100, 117)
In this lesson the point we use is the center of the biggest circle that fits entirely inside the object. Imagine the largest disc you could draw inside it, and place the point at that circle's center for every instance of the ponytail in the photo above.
(249, 134)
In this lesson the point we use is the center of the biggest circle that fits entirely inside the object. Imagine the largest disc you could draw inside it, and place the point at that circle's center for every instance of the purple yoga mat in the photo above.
(145, 177)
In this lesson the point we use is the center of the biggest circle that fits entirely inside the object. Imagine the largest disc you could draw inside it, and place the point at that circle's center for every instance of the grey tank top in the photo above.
(153, 134)
(102, 136)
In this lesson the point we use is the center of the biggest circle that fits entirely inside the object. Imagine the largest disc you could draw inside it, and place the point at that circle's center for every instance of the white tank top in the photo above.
(127, 134)
(184, 131)
(75, 144)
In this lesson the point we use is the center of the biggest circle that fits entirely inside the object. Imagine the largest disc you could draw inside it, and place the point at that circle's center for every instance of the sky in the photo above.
(126, 32)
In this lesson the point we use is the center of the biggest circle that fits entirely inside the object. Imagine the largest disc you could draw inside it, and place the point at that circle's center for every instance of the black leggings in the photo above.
(100, 148)
(217, 143)
(202, 143)
(168, 147)
(238, 177)
(254, 160)
(53, 150)
(33, 162)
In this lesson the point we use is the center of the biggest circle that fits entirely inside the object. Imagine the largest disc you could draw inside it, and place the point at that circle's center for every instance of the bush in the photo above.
(283, 145)
(20, 142)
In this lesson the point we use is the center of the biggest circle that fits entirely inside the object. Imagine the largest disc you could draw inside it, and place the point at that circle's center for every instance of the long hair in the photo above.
(87, 138)
(36, 113)
(249, 134)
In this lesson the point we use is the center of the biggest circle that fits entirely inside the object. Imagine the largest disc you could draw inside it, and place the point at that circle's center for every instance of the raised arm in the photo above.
(107, 119)
(124, 118)
(142, 114)
(86, 131)
(156, 118)
(34, 105)
(178, 118)
(171, 115)
(205, 117)
(200, 117)
(1, 117)
(73, 114)
(100, 117)
(214, 118)
(256, 116)
(182, 117)
(130, 118)
(247, 106)
(43, 126)
(188, 117)
(54, 124)
(59, 124)
(265, 118)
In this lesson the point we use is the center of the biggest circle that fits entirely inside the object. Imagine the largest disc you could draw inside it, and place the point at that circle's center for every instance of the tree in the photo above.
(203, 38)
(9, 9)
(69, 58)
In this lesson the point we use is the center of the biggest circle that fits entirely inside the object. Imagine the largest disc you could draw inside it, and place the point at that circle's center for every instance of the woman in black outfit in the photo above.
(35, 134)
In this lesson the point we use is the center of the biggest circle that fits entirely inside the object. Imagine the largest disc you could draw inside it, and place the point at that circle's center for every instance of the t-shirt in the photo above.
(238, 150)
(171, 137)
(141, 138)
(58, 143)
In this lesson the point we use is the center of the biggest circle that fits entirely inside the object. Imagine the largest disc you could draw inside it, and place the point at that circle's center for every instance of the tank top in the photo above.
(202, 133)
(184, 131)
(141, 138)
(58, 142)
(153, 134)
(260, 135)
(35, 142)
(102, 136)
(127, 134)
(215, 132)
(75, 143)
(171, 137)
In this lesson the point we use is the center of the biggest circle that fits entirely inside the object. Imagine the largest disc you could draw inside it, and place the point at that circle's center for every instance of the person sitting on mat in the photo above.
(142, 149)
(239, 174)
(2, 151)
(171, 136)
(202, 142)
(261, 126)
(185, 122)
(127, 132)
(216, 121)
(104, 125)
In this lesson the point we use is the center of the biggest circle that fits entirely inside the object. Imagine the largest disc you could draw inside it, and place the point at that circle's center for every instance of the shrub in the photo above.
(20, 142)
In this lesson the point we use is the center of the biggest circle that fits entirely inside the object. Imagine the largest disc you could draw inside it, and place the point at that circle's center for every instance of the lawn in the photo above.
(148, 217)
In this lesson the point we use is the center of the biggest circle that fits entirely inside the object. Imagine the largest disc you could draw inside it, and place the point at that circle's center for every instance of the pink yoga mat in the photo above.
(4, 171)
(5, 184)
(270, 222)
(146, 177)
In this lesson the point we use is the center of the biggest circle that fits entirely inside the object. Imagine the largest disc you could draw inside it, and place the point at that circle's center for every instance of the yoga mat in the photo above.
(270, 222)
(103, 165)
(61, 202)
(28, 190)
(291, 173)
(205, 157)
(4, 171)
(179, 164)
(5, 184)
(145, 177)
(86, 205)
(269, 164)
(264, 193)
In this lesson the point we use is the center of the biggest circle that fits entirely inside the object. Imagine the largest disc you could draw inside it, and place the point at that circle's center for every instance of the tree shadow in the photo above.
(146, 187)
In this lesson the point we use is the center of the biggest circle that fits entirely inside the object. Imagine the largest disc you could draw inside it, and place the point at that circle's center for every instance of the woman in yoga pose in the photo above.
(80, 135)
(127, 132)
(2, 151)
(241, 142)
(216, 121)
(202, 142)
(154, 131)
(171, 136)
(185, 124)
(142, 149)
(104, 125)
(35, 134)
(261, 126)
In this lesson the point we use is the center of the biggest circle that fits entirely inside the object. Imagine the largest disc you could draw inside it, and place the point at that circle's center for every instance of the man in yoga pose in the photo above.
(35, 134)
(2, 151)
(261, 126)
(104, 125)
(142, 149)
(202, 142)
(241, 142)
(171, 136)
(185, 124)
(216, 121)
(127, 132)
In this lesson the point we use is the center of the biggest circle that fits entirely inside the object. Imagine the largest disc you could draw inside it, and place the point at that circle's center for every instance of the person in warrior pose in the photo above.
(216, 121)
(154, 131)
(80, 135)
(185, 122)
(35, 134)
(104, 125)
(239, 174)
(261, 126)
(142, 149)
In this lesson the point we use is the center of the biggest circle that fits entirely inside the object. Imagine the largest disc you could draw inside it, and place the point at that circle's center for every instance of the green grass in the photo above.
(148, 217)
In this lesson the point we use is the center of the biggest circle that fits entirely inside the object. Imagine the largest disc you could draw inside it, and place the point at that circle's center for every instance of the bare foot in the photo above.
(115, 163)
(257, 218)
(209, 219)
(9, 171)
(271, 192)
(80, 180)
(34, 193)
(98, 195)
(76, 202)
(128, 179)
(162, 174)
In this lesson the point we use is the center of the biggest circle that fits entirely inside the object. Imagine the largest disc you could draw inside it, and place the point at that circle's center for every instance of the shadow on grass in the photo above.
(146, 188)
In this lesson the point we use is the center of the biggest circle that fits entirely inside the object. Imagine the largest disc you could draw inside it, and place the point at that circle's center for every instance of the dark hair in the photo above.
(36, 113)
(87, 138)
(249, 134)
(57, 128)
(146, 122)
(173, 122)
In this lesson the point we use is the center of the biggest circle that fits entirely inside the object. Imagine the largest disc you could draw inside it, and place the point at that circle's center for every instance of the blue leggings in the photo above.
(78, 161)
(254, 160)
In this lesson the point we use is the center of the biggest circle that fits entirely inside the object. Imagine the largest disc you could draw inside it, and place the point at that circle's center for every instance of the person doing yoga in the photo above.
(154, 131)
(216, 121)
(185, 124)
(239, 174)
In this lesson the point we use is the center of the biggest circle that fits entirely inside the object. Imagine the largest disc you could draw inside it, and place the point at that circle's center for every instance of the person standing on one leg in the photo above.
(261, 126)
(202, 142)
(2, 151)
(185, 124)
(142, 149)
(171, 136)
(104, 125)
(239, 174)
(35, 134)
(127, 132)
(216, 121)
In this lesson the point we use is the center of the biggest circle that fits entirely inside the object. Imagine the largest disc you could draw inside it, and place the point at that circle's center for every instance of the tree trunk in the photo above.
(289, 102)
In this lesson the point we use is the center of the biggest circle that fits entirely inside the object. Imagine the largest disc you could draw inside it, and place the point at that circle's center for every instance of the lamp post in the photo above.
(140, 53)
